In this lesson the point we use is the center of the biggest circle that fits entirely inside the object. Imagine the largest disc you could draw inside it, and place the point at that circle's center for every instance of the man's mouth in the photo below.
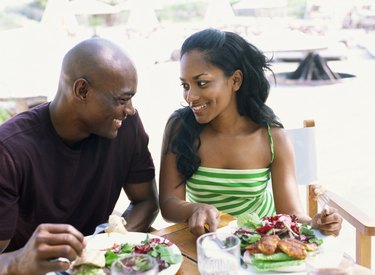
(118, 122)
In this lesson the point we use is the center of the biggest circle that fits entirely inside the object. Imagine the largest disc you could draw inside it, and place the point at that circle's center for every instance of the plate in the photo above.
(106, 241)
(298, 269)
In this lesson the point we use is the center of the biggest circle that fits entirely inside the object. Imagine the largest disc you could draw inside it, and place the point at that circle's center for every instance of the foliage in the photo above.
(5, 114)
(183, 12)
(41, 3)
(296, 8)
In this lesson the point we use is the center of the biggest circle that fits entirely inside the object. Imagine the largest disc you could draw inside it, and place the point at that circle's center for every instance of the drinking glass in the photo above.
(218, 253)
(135, 264)
(329, 263)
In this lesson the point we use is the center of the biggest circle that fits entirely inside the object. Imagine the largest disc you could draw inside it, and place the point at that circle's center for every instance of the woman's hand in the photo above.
(328, 221)
(49, 241)
(204, 214)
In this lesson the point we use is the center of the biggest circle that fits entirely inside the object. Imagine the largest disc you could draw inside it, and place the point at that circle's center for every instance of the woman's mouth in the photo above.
(198, 108)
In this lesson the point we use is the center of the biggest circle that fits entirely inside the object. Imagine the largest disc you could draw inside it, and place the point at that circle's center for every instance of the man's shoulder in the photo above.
(23, 123)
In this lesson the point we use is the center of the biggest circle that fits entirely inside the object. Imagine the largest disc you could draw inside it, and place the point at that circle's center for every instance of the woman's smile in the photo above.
(198, 109)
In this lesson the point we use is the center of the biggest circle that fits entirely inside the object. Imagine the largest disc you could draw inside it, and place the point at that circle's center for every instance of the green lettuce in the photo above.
(270, 265)
(279, 256)
(250, 220)
(89, 270)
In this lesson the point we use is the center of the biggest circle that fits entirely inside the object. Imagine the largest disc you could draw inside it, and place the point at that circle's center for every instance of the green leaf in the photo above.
(316, 240)
(306, 230)
(166, 253)
(269, 265)
(127, 248)
(250, 220)
(89, 270)
(280, 256)
(249, 239)
(110, 257)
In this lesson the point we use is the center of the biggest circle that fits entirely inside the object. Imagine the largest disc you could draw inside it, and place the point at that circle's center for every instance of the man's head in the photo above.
(96, 85)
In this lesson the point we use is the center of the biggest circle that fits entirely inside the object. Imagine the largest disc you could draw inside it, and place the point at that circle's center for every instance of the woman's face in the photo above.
(206, 89)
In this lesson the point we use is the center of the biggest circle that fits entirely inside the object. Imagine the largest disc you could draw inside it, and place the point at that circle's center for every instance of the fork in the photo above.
(323, 200)
(100, 228)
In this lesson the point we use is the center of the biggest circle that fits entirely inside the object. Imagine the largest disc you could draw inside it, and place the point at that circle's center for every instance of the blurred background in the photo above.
(322, 52)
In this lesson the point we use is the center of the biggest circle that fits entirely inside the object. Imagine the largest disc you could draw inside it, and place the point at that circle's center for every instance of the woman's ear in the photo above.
(80, 89)
(237, 80)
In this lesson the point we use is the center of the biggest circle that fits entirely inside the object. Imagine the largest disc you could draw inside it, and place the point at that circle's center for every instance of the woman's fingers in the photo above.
(329, 221)
(205, 218)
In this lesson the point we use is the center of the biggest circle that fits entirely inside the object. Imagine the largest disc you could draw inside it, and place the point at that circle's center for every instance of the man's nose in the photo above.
(129, 109)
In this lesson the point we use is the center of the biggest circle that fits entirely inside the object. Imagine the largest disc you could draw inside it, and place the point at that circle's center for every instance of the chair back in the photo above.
(304, 144)
(303, 140)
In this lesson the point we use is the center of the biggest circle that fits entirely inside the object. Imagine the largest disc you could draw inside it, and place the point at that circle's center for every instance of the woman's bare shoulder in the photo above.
(279, 134)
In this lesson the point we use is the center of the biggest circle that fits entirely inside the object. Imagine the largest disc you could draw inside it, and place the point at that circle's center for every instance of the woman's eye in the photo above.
(185, 86)
(202, 83)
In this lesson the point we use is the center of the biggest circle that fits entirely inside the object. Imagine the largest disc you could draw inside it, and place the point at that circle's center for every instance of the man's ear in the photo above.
(237, 80)
(80, 88)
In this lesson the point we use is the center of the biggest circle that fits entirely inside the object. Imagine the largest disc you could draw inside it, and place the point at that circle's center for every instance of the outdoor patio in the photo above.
(343, 111)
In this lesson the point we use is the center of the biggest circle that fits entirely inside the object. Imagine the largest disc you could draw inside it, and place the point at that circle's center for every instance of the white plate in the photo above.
(232, 227)
(106, 240)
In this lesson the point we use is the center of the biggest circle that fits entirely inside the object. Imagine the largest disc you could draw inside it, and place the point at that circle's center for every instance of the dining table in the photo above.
(181, 236)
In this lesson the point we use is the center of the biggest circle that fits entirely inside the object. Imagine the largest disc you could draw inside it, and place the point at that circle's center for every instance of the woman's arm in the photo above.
(172, 196)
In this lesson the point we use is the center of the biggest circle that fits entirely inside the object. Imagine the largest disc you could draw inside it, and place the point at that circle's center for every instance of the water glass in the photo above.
(135, 264)
(218, 253)
(329, 263)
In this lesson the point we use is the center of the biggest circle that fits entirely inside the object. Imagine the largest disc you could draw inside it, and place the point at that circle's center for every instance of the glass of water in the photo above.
(218, 253)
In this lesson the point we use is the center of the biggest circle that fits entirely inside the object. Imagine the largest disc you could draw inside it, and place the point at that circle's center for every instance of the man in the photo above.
(63, 164)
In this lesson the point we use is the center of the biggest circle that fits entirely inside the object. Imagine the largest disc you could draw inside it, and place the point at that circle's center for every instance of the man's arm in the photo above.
(144, 205)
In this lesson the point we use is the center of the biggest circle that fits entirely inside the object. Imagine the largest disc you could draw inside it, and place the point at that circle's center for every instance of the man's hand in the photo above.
(203, 215)
(38, 256)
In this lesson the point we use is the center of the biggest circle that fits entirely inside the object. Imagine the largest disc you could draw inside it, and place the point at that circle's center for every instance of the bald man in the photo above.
(63, 164)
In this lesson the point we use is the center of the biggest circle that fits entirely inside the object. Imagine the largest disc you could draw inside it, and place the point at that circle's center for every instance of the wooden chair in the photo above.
(363, 224)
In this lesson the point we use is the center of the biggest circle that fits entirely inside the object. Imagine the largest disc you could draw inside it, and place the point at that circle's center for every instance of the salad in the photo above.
(157, 248)
(275, 241)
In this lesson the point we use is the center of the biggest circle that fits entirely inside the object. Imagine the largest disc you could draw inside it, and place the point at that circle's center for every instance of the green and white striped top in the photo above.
(234, 191)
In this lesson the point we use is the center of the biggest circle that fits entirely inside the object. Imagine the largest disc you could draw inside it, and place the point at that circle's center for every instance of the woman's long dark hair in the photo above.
(229, 52)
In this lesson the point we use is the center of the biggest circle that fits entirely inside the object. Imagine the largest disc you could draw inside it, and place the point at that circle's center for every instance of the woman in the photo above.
(223, 149)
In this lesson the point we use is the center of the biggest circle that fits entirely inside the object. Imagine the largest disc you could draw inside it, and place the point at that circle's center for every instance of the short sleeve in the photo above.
(9, 194)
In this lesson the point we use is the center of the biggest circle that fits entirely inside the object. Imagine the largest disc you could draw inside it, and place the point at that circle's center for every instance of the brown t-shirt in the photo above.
(42, 180)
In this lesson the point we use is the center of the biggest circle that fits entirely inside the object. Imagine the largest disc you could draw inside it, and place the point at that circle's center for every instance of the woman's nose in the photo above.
(191, 96)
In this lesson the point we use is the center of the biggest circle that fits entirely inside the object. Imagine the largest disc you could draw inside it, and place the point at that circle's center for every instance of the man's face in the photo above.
(110, 102)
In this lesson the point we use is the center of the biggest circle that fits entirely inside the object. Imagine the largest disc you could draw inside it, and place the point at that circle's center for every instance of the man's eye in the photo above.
(123, 100)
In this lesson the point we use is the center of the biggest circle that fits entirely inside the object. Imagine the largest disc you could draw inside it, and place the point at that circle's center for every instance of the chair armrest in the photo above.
(356, 217)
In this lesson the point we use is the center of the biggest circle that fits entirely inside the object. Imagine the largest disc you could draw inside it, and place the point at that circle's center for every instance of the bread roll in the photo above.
(117, 224)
